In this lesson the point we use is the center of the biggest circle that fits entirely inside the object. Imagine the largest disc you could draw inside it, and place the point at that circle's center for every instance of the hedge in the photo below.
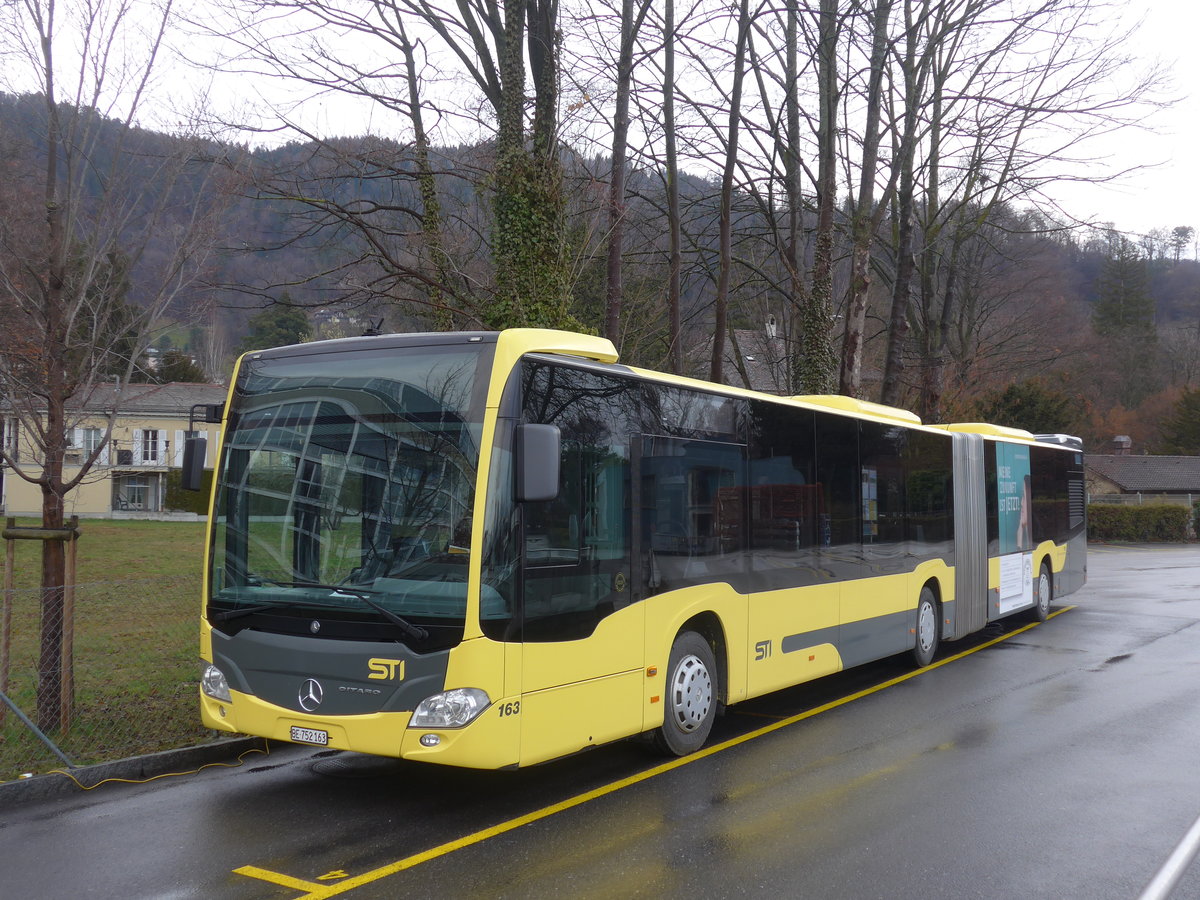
(1160, 523)
(188, 501)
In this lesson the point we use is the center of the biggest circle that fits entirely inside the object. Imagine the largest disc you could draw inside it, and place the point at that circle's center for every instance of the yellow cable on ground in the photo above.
(222, 765)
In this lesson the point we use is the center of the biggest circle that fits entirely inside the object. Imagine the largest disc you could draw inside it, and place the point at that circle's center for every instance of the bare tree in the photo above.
(866, 214)
(510, 54)
(725, 252)
(997, 97)
(85, 282)
(631, 23)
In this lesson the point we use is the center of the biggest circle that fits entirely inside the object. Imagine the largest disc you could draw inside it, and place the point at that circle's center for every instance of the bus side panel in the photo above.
(578, 693)
(1074, 572)
(877, 615)
(793, 634)
(562, 720)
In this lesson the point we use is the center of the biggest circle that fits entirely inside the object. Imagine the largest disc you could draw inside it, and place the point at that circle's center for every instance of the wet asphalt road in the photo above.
(1059, 762)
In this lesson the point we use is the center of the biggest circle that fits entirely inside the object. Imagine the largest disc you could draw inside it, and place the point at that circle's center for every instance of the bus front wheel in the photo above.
(691, 696)
(928, 633)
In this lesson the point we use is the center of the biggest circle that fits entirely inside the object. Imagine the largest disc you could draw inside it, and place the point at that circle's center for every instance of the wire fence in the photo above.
(133, 683)
(1139, 499)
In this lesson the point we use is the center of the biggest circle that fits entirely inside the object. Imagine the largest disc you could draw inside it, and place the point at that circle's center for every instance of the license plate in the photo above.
(310, 736)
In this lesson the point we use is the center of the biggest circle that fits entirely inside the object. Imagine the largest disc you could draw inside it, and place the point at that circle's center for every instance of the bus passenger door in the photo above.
(581, 672)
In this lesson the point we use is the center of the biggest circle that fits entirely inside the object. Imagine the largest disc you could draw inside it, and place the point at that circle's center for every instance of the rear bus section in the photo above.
(1020, 524)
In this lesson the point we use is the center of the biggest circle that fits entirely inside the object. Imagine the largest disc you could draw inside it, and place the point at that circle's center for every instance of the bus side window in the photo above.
(840, 531)
(692, 512)
(785, 502)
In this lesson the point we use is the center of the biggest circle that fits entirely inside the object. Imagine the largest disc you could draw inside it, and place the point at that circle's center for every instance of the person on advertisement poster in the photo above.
(1024, 518)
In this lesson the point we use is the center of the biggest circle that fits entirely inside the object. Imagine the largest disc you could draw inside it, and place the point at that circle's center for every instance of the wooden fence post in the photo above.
(6, 616)
(68, 651)
(70, 534)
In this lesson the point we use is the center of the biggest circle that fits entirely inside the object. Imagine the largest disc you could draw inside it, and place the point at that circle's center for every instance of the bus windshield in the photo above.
(345, 490)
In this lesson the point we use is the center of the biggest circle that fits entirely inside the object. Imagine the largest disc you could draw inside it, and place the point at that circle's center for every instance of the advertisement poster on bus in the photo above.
(1016, 539)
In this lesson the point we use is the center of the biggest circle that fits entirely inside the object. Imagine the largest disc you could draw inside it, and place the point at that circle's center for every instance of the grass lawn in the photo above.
(137, 605)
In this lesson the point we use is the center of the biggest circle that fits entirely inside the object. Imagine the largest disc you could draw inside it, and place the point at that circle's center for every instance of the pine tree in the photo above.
(1124, 307)
(1030, 405)
(1181, 429)
(276, 326)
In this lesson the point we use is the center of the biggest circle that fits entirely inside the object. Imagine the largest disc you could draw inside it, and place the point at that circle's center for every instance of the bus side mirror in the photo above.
(537, 457)
(194, 451)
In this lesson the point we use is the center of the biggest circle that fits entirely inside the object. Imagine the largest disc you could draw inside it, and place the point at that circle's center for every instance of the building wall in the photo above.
(94, 496)
(1098, 484)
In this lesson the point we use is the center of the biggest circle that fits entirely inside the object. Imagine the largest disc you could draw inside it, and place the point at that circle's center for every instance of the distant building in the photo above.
(1170, 477)
(129, 479)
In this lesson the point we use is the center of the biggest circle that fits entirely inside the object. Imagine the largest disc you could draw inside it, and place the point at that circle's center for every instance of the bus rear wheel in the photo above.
(1043, 593)
(691, 696)
(928, 633)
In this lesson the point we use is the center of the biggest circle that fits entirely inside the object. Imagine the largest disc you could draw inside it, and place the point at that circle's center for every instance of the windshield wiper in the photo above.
(228, 614)
(413, 631)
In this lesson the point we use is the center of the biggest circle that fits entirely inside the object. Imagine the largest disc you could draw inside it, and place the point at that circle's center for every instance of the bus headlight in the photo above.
(449, 709)
(213, 683)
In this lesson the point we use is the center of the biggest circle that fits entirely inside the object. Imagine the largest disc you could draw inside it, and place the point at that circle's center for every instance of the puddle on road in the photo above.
(357, 766)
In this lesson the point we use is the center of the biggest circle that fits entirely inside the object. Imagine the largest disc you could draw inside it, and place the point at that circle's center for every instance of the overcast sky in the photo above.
(1164, 195)
(1169, 194)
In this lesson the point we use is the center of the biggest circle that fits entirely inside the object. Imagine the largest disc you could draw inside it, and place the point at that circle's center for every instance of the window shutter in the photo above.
(137, 447)
(177, 449)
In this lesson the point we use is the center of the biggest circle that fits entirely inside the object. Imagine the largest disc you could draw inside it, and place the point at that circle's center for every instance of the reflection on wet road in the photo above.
(1049, 761)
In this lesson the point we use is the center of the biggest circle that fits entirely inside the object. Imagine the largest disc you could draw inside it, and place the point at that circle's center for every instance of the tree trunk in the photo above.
(865, 217)
(614, 288)
(898, 324)
(431, 209)
(820, 364)
(675, 261)
(798, 299)
(725, 252)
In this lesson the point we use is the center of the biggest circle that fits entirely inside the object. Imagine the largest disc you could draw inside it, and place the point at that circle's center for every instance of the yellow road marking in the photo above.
(276, 878)
(320, 891)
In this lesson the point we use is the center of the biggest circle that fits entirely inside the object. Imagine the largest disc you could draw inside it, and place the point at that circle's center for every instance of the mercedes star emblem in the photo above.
(310, 695)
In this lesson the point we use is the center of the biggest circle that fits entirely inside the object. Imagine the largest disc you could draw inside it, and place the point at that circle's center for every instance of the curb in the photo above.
(134, 768)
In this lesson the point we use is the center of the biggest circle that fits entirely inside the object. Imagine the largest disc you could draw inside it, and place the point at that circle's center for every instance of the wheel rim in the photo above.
(1044, 593)
(691, 693)
(926, 626)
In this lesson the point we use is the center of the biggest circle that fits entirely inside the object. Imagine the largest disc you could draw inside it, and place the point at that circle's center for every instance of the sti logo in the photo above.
(386, 669)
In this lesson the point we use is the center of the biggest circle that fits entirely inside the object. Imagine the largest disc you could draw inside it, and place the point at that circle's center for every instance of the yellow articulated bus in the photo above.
(495, 549)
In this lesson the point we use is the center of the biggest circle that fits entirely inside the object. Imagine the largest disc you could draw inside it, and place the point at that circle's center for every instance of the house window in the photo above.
(91, 440)
(151, 452)
(8, 428)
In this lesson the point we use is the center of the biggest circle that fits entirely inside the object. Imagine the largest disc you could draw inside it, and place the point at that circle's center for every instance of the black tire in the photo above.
(690, 704)
(1043, 593)
(929, 631)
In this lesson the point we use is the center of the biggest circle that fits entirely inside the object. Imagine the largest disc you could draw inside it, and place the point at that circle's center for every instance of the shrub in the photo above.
(188, 501)
(1155, 523)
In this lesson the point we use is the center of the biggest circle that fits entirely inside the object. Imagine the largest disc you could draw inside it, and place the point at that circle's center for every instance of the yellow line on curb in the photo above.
(318, 892)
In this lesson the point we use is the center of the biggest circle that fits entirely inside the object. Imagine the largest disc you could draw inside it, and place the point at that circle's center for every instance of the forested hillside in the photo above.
(1085, 330)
